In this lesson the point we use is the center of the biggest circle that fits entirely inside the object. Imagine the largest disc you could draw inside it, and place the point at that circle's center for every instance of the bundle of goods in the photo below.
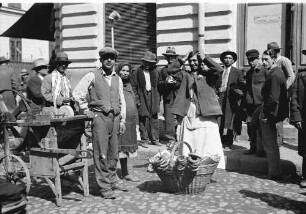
(181, 174)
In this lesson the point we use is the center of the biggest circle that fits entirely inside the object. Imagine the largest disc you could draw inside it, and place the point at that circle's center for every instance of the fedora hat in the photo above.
(39, 63)
(304, 52)
(62, 57)
(273, 45)
(149, 57)
(228, 52)
(3, 60)
(170, 51)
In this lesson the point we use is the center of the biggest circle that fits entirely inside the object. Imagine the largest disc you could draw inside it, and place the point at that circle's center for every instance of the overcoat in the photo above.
(298, 109)
(235, 81)
(138, 83)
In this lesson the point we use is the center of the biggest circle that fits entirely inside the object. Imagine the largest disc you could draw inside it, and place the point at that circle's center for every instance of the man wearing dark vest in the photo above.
(107, 107)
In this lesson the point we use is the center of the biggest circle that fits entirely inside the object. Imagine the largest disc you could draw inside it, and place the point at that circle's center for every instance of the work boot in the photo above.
(108, 194)
(119, 188)
(156, 143)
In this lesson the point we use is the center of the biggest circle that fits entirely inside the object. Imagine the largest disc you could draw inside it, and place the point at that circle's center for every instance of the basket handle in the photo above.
(176, 146)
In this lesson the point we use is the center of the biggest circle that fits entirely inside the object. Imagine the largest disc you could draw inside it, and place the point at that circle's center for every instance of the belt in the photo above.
(111, 111)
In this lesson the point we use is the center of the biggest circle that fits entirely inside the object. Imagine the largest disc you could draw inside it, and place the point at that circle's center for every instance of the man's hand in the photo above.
(121, 128)
(89, 114)
(298, 125)
(59, 101)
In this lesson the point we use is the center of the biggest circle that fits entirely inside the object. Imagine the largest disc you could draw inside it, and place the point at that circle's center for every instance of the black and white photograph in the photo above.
(152, 106)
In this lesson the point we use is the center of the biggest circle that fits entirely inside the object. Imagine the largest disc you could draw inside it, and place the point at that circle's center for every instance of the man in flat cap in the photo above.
(255, 78)
(35, 82)
(56, 88)
(8, 80)
(229, 88)
(107, 107)
(144, 83)
(286, 65)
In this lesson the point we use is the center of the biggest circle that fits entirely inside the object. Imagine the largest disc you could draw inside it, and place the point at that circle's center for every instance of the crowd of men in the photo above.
(204, 104)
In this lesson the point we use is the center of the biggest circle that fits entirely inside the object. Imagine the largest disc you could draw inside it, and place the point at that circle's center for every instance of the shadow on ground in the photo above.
(276, 201)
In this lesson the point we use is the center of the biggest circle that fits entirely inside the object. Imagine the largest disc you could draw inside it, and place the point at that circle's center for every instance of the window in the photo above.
(15, 49)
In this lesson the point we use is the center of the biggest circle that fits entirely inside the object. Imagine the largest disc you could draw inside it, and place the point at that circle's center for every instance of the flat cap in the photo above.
(253, 53)
(108, 50)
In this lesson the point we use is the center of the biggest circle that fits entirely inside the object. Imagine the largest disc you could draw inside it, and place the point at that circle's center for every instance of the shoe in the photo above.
(108, 194)
(150, 168)
(227, 148)
(250, 152)
(143, 144)
(156, 143)
(130, 178)
(303, 184)
(119, 188)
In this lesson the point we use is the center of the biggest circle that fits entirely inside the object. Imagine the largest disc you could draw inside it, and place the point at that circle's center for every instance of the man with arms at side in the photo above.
(107, 107)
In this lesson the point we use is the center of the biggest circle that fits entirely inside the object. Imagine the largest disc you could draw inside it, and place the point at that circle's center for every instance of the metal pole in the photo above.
(201, 27)
(112, 29)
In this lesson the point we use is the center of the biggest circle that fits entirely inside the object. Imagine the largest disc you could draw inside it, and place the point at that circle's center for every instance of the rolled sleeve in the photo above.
(81, 90)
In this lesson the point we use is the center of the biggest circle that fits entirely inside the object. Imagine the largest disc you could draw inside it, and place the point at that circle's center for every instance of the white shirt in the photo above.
(225, 76)
(148, 80)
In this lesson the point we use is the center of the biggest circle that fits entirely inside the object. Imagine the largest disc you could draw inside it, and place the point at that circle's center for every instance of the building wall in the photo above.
(79, 33)
(177, 25)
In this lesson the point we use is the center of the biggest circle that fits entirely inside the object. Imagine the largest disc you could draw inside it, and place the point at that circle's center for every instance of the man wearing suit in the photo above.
(229, 90)
(34, 83)
(255, 78)
(144, 83)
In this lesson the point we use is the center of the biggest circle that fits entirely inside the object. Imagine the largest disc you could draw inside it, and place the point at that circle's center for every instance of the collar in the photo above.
(227, 68)
(104, 74)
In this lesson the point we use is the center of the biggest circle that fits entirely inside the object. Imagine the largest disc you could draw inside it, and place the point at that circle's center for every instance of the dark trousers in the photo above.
(105, 129)
(280, 132)
(228, 138)
(170, 122)
(149, 128)
(269, 141)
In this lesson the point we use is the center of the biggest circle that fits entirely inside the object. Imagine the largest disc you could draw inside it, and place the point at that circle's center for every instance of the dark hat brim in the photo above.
(170, 54)
(40, 66)
(147, 60)
(65, 61)
(304, 52)
(233, 54)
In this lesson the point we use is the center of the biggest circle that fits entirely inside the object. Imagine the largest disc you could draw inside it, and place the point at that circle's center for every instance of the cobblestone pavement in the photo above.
(229, 192)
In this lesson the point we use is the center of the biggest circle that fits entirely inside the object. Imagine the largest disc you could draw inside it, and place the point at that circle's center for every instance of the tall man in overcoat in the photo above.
(298, 116)
(229, 87)
(275, 109)
(144, 83)
(107, 107)
(255, 79)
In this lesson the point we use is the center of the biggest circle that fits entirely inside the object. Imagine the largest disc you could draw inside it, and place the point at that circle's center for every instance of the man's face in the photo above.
(228, 60)
(43, 71)
(194, 63)
(61, 67)
(170, 58)
(108, 62)
(253, 62)
(267, 61)
(148, 65)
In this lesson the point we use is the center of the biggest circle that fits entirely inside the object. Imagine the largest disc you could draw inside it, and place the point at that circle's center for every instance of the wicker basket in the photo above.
(186, 181)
